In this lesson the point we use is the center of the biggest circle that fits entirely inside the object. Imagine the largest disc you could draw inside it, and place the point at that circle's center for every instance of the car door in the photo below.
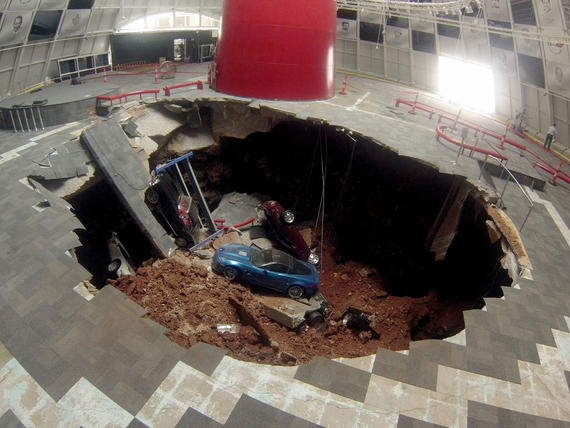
(275, 276)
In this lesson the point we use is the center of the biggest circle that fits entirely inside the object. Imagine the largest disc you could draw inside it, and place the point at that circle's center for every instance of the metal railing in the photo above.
(507, 180)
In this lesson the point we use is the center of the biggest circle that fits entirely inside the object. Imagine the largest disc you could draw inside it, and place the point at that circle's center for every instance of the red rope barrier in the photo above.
(125, 95)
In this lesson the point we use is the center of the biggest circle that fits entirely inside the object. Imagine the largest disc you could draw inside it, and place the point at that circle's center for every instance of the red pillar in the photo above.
(277, 49)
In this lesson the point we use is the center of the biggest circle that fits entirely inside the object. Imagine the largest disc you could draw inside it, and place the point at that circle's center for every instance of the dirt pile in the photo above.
(184, 295)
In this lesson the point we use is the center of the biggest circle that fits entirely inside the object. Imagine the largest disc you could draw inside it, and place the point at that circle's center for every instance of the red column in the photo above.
(277, 49)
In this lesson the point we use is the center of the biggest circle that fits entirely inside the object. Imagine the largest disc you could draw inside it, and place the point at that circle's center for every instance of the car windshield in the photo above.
(260, 258)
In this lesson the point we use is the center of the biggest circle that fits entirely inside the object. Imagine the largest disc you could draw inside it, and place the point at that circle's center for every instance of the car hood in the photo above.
(236, 252)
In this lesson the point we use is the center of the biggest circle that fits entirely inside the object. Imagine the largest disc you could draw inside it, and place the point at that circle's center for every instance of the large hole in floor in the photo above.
(379, 209)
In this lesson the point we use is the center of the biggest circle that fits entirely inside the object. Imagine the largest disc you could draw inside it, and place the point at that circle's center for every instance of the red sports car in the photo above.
(281, 222)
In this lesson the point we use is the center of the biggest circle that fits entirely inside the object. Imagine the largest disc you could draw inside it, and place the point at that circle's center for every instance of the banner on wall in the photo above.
(26, 5)
(53, 4)
(497, 10)
(558, 78)
(372, 18)
(74, 22)
(556, 52)
(15, 27)
(549, 14)
(346, 28)
(397, 37)
(527, 45)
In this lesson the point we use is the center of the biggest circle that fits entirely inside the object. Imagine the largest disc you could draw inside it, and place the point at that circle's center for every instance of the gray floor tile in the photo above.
(335, 377)
(251, 413)
(407, 422)
(10, 420)
(193, 418)
(204, 357)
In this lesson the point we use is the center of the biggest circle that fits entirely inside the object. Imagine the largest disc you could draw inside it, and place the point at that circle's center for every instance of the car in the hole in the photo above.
(271, 269)
(171, 206)
(280, 221)
(119, 259)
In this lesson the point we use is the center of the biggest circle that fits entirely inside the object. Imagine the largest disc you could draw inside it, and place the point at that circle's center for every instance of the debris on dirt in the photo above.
(233, 237)
(182, 294)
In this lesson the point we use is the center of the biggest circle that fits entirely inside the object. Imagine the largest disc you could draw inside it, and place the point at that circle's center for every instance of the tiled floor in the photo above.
(66, 361)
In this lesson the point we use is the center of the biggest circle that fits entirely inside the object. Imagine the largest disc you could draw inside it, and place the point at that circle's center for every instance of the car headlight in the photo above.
(288, 217)
(313, 259)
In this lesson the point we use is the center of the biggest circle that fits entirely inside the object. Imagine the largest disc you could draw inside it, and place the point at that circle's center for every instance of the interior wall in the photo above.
(150, 47)
(529, 75)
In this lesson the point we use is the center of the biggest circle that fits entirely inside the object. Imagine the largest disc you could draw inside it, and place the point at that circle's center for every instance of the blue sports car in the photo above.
(272, 269)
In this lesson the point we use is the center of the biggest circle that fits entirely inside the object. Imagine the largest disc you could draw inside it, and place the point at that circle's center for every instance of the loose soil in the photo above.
(184, 295)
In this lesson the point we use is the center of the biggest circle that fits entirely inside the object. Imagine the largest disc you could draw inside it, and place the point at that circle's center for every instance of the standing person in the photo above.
(552, 131)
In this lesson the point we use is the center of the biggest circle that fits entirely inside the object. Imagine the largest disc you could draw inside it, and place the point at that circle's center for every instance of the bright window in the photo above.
(467, 84)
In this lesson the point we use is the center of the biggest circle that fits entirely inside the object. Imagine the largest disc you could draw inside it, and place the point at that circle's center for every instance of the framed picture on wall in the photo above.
(28, 5)
(74, 22)
(15, 27)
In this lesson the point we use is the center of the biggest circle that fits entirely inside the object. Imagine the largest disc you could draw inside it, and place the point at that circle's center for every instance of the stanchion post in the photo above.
(413, 109)
(343, 91)
(155, 73)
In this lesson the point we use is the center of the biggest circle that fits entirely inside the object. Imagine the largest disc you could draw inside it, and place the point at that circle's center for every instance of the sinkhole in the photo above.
(408, 246)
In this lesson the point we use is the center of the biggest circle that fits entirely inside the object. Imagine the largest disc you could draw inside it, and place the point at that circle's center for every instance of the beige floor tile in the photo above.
(361, 363)
(219, 405)
(384, 393)
(161, 411)
(84, 405)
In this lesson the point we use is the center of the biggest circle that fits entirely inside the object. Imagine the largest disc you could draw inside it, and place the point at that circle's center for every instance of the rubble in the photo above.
(186, 297)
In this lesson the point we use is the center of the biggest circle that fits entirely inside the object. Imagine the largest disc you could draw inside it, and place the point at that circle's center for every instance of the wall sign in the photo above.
(15, 27)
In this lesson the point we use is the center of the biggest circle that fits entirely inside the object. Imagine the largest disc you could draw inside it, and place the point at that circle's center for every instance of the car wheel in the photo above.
(114, 266)
(152, 196)
(295, 292)
(181, 242)
(287, 216)
(315, 319)
(231, 273)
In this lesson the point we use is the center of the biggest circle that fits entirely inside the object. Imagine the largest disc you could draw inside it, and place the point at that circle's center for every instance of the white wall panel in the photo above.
(558, 78)
(7, 59)
(497, 10)
(556, 52)
(4, 82)
(101, 44)
(102, 19)
(451, 47)
(527, 45)
(74, 22)
(52, 4)
(22, 4)
(34, 53)
(86, 46)
(397, 37)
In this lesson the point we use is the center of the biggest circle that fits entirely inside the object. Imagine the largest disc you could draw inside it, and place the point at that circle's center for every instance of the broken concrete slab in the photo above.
(189, 139)
(65, 161)
(288, 312)
(156, 122)
(511, 234)
(236, 207)
(445, 225)
(130, 129)
(123, 169)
